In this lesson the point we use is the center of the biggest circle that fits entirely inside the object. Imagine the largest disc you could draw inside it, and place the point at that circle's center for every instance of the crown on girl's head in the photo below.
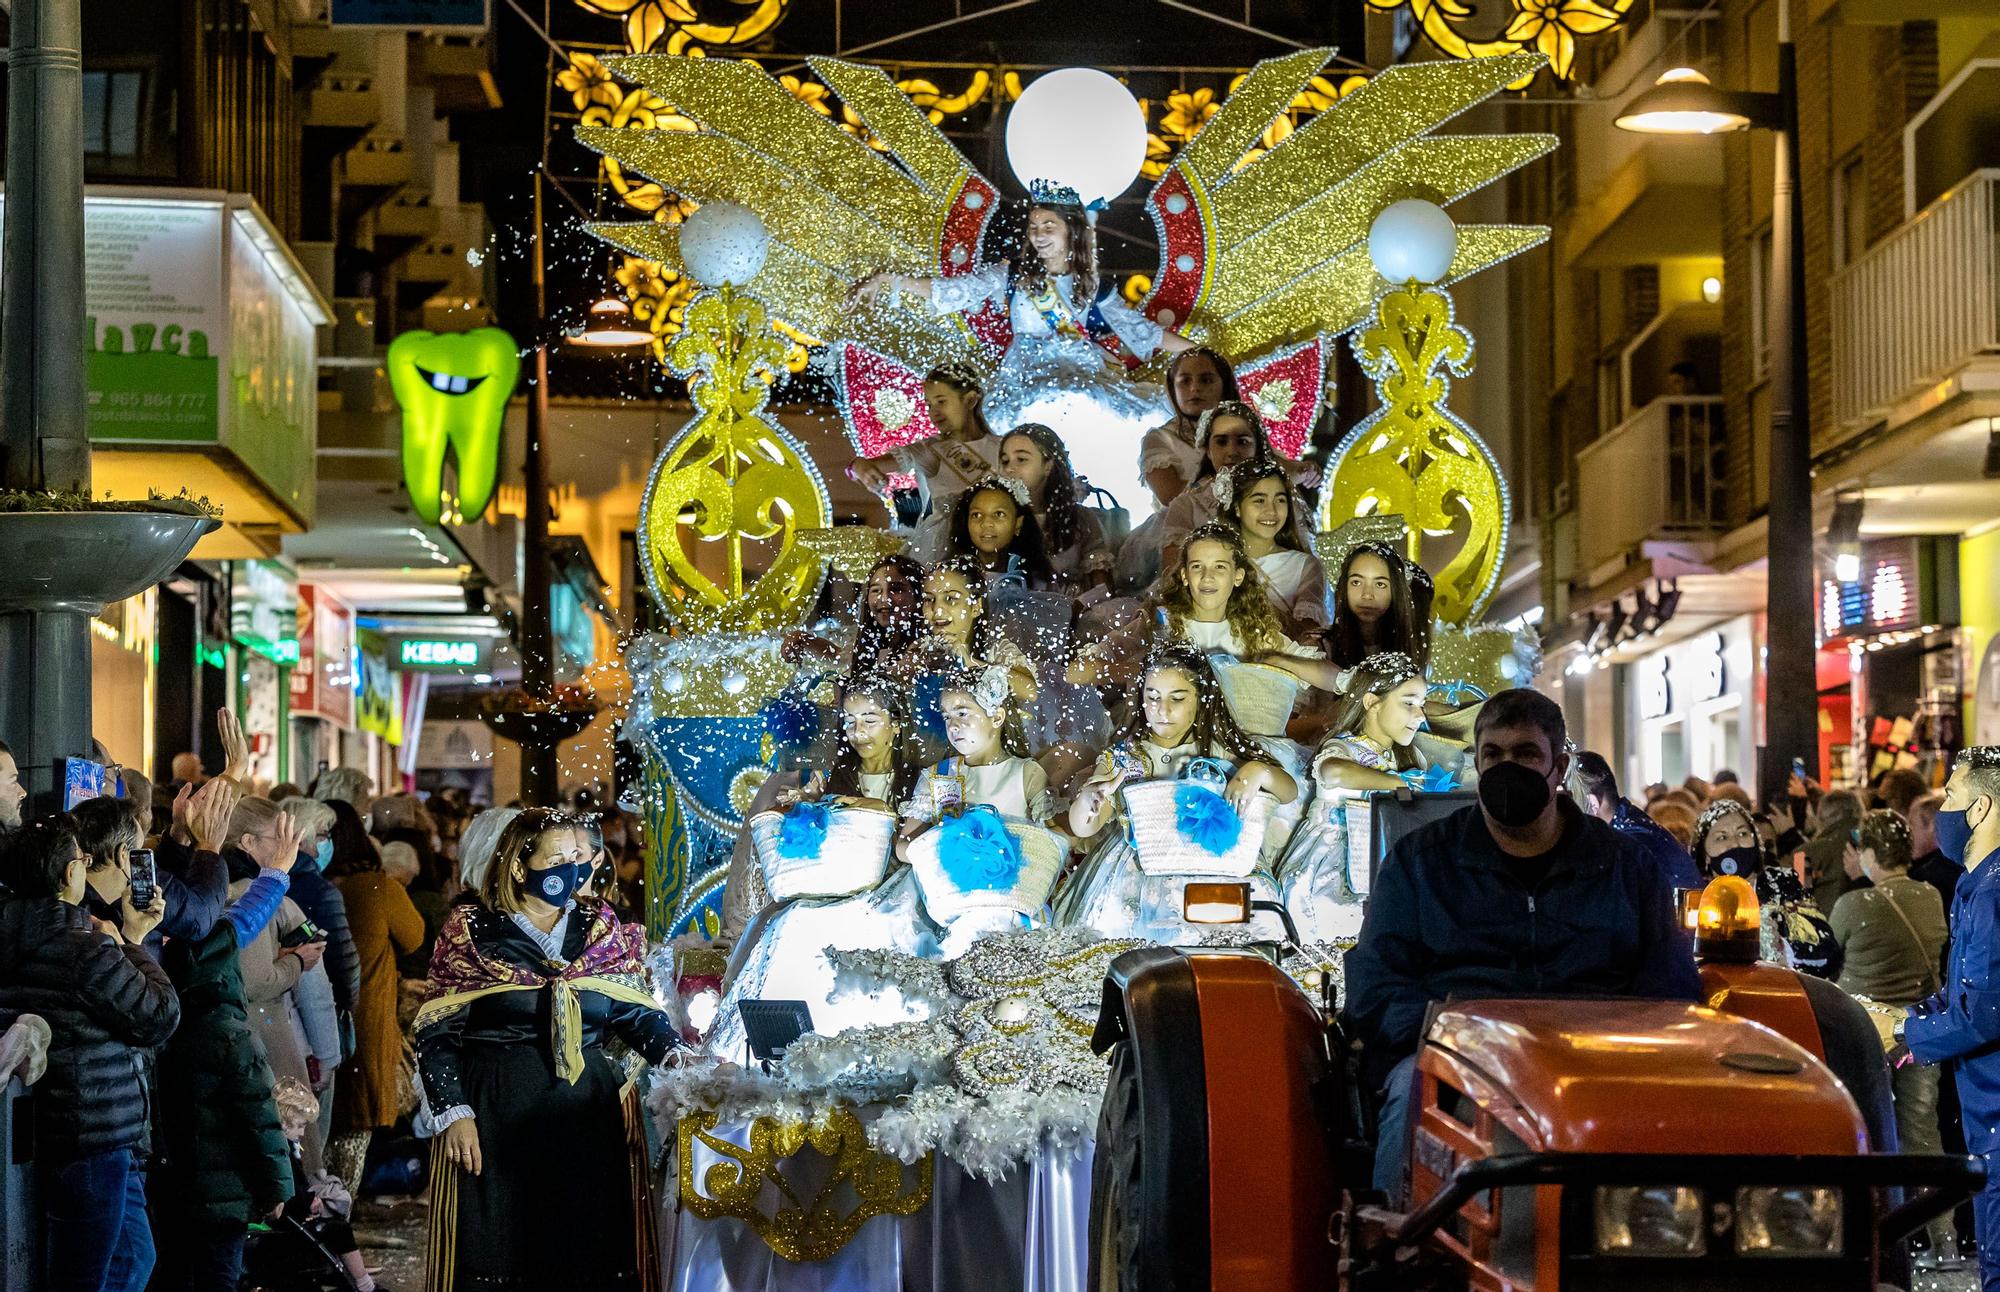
(1046, 192)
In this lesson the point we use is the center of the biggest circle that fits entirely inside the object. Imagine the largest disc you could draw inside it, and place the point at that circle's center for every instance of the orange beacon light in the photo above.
(1728, 922)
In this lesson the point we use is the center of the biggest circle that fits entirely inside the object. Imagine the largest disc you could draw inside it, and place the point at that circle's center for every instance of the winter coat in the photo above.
(225, 1157)
(196, 886)
(385, 925)
(1961, 1020)
(1887, 958)
(1451, 916)
(324, 906)
(105, 1002)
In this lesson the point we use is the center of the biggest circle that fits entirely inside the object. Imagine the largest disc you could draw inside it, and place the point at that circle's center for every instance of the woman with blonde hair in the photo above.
(525, 989)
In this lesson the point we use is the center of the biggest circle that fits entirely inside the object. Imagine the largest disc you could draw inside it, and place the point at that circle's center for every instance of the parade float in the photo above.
(935, 1126)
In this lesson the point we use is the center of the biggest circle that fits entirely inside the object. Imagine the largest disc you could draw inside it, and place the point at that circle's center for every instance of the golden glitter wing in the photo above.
(1261, 247)
(836, 209)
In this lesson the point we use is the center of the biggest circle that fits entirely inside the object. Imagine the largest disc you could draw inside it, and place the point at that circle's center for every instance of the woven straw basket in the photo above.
(1259, 696)
(1163, 850)
(1042, 855)
(852, 858)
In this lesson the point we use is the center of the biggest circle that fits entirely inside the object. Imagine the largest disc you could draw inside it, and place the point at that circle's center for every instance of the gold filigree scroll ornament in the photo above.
(729, 494)
(744, 1181)
(1413, 458)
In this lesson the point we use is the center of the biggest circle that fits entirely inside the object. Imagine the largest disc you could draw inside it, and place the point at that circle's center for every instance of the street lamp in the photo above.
(1683, 102)
(610, 327)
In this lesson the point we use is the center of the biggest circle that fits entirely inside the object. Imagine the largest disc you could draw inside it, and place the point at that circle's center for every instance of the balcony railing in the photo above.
(1658, 474)
(1919, 305)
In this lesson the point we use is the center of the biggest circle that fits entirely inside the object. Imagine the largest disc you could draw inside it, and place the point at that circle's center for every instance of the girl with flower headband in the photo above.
(1372, 749)
(1374, 611)
(1072, 331)
(1198, 379)
(1181, 716)
(962, 633)
(994, 524)
(1257, 497)
(1795, 933)
(964, 451)
(1228, 434)
(989, 764)
(780, 951)
(1078, 554)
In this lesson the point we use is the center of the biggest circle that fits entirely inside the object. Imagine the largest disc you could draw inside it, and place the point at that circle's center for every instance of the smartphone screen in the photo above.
(145, 879)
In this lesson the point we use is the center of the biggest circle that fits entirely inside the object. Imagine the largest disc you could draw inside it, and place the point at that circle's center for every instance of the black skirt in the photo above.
(553, 1205)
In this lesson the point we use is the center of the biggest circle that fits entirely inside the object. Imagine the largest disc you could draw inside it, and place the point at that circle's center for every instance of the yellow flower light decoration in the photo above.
(646, 21)
(1551, 26)
(589, 82)
(641, 110)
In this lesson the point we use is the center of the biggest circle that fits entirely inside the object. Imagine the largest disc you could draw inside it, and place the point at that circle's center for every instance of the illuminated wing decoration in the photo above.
(836, 209)
(1259, 249)
(1277, 249)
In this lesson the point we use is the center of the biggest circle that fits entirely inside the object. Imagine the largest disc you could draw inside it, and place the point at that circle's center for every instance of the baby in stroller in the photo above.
(310, 1246)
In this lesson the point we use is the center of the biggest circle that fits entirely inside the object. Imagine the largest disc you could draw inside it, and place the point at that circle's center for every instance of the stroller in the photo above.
(296, 1254)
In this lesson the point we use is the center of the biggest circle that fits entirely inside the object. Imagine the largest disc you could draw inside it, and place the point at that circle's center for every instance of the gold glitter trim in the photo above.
(731, 477)
(796, 1228)
(902, 127)
(1414, 459)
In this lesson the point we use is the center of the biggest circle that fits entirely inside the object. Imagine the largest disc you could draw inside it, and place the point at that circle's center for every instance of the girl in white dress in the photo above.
(994, 523)
(1072, 331)
(1181, 716)
(989, 765)
(1257, 495)
(1322, 880)
(782, 952)
(962, 634)
(1197, 380)
(964, 451)
(1071, 535)
(1228, 434)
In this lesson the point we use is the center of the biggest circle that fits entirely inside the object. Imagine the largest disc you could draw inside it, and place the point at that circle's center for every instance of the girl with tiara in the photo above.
(989, 764)
(1072, 331)
(1197, 380)
(964, 451)
(1181, 716)
(993, 523)
(1320, 879)
(1071, 535)
(962, 634)
(887, 624)
(1228, 434)
(1374, 611)
(782, 950)
(1257, 496)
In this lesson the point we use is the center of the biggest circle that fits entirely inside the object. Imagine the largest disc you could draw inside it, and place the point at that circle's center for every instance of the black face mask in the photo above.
(1737, 861)
(1513, 794)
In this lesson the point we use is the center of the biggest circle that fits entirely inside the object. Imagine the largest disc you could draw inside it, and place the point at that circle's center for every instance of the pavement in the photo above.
(392, 1234)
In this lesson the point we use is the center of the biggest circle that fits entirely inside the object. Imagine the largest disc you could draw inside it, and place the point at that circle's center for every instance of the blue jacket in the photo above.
(1674, 861)
(1962, 1021)
(325, 907)
(1451, 916)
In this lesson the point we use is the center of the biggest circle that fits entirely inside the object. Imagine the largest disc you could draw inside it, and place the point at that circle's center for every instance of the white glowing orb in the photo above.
(723, 243)
(1103, 444)
(1080, 127)
(1413, 240)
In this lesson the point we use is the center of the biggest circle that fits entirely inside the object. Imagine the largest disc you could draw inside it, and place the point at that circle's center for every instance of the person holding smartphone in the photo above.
(106, 1004)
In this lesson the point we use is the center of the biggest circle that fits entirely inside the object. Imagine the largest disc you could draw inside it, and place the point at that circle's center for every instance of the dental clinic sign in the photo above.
(201, 331)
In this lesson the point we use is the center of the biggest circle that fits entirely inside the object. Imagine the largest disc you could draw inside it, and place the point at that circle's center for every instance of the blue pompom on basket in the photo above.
(1186, 827)
(822, 850)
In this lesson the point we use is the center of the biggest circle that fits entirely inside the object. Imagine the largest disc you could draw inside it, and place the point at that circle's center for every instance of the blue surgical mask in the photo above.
(557, 884)
(324, 853)
(1954, 833)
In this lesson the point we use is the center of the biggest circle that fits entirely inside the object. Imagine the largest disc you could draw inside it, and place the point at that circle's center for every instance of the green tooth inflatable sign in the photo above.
(453, 388)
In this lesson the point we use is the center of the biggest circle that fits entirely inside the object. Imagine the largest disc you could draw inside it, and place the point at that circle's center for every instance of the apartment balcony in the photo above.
(404, 223)
(460, 70)
(1916, 319)
(1642, 198)
(370, 171)
(1656, 478)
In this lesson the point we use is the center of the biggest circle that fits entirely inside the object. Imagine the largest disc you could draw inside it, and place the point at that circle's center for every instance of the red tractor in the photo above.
(1555, 1143)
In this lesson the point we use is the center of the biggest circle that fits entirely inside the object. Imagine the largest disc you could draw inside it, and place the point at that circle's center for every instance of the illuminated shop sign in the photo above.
(1906, 584)
(439, 652)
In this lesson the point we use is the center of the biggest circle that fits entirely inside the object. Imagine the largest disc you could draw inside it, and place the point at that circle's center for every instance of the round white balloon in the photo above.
(723, 243)
(1080, 127)
(1413, 239)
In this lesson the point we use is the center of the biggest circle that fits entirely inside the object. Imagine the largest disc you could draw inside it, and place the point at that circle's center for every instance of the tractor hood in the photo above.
(1633, 1076)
